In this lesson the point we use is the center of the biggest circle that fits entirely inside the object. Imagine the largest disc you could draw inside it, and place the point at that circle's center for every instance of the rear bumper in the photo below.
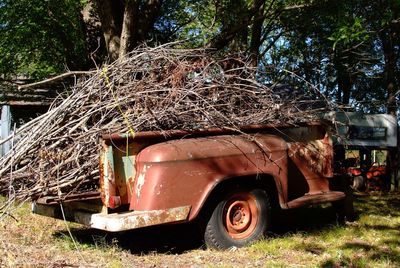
(91, 216)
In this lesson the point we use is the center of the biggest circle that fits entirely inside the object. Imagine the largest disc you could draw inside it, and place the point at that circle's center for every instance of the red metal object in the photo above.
(376, 171)
(354, 171)
(375, 178)
(314, 159)
(240, 215)
(147, 179)
(117, 170)
(167, 172)
(316, 198)
(148, 173)
(196, 166)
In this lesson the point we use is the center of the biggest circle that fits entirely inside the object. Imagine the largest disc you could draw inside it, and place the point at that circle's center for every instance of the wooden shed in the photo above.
(19, 105)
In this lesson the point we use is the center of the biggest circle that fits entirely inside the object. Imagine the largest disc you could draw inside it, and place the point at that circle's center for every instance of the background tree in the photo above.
(126, 24)
(348, 49)
(338, 46)
(39, 38)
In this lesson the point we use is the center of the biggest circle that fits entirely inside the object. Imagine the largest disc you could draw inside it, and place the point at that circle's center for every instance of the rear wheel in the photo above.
(239, 219)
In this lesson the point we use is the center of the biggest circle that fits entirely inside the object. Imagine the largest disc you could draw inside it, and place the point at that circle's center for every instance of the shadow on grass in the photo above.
(379, 204)
(176, 239)
(304, 220)
(384, 251)
(317, 218)
(171, 239)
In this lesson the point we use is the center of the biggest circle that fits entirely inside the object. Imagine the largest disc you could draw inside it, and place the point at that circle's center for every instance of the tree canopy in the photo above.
(348, 49)
(38, 38)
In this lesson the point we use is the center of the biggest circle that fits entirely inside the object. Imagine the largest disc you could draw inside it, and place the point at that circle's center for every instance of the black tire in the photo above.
(240, 218)
(344, 209)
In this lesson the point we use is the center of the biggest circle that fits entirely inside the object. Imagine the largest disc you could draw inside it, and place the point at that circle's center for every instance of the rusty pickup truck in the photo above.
(224, 180)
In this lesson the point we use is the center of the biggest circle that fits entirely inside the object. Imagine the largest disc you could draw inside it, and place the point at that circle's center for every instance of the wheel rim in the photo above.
(241, 215)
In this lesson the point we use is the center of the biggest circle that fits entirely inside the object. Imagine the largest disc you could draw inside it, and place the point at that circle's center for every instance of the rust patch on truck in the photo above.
(153, 174)
(174, 173)
(140, 180)
(107, 178)
(118, 170)
(136, 219)
(314, 160)
(88, 214)
(316, 155)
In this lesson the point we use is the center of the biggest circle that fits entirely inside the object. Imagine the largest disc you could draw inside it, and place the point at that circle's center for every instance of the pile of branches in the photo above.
(151, 89)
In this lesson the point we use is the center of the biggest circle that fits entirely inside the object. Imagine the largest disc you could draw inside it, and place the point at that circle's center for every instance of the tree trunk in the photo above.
(343, 79)
(147, 18)
(387, 39)
(126, 24)
(110, 13)
(259, 6)
(128, 27)
(234, 28)
(95, 45)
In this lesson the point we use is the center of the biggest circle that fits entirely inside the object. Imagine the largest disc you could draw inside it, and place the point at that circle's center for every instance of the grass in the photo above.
(371, 241)
(301, 238)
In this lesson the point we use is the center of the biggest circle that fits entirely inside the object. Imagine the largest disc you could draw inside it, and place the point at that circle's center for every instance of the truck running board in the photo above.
(311, 199)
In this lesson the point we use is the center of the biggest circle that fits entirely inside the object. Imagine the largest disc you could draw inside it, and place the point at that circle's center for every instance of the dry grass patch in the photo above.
(302, 238)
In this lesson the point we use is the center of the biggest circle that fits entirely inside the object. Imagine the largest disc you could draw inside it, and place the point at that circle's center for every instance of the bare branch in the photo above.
(151, 89)
(55, 79)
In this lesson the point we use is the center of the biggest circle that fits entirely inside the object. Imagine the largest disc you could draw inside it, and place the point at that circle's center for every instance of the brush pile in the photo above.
(151, 89)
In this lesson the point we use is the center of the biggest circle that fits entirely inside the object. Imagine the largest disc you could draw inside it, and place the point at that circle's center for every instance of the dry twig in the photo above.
(152, 89)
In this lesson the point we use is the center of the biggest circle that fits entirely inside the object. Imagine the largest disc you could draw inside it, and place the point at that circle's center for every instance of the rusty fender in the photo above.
(184, 172)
